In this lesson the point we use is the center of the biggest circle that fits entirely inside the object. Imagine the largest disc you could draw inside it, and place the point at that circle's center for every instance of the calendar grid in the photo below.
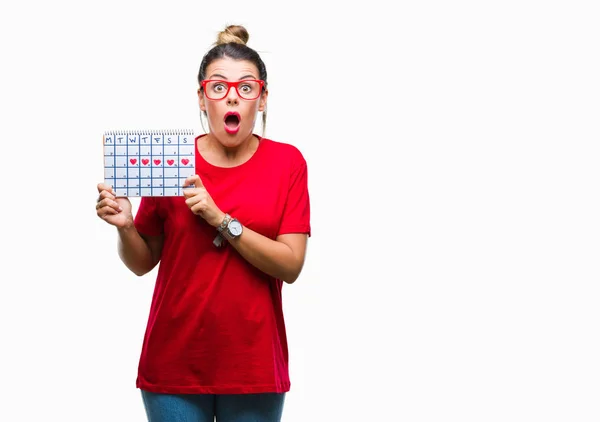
(154, 169)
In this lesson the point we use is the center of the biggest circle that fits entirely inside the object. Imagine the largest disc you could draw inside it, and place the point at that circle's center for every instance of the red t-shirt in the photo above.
(216, 324)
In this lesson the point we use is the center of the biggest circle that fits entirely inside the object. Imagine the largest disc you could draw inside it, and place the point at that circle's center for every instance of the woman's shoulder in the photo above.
(283, 150)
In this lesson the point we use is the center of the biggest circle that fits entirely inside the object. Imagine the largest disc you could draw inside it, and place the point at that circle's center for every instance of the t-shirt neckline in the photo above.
(201, 159)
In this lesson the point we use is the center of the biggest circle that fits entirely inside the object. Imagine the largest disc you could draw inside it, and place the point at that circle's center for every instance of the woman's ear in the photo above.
(201, 100)
(263, 101)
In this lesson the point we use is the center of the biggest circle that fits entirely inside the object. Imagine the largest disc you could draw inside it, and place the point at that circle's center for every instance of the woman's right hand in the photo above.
(113, 210)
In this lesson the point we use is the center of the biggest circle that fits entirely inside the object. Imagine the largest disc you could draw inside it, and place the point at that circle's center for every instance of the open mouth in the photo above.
(232, 122)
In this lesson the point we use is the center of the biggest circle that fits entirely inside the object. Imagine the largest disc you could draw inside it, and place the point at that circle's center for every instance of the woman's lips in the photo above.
(232, 121)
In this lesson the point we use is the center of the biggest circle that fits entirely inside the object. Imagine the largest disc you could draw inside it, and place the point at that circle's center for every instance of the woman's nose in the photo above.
(232, 97)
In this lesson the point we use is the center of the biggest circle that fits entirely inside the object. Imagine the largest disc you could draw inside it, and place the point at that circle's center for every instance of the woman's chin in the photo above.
(232, 140)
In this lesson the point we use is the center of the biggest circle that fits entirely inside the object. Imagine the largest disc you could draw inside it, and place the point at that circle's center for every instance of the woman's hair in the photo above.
(231, 43)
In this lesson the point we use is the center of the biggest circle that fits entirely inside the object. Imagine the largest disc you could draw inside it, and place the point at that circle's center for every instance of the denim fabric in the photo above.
(263, 407)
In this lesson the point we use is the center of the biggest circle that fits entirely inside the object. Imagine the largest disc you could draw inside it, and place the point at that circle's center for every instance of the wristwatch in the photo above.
(230, 228)
(233, 229)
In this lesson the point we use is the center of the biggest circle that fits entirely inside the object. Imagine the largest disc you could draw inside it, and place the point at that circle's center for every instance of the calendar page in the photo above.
(148, 163)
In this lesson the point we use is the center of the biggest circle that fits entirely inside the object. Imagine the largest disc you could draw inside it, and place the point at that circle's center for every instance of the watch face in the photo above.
(235, 228)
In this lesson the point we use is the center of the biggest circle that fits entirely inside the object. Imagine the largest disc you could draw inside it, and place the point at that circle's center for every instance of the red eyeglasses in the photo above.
(247, 89)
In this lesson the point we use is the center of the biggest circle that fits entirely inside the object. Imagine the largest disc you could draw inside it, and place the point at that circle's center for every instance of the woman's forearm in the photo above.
(275, 258)
(282, 258)
(134, 251)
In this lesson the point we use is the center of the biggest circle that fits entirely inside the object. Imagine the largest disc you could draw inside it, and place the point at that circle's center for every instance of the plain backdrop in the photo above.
(452, 150)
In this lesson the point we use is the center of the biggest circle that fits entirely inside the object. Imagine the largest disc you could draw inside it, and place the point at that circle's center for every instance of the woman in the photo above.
(215, 343)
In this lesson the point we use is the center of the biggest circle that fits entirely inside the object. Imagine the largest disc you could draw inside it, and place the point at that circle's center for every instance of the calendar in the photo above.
(148, 163)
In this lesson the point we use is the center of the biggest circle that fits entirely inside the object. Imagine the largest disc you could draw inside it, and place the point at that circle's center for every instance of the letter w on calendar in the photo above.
(148, 163)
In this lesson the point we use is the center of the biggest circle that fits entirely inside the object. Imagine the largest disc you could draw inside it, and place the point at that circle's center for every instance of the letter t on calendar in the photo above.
(148, 163)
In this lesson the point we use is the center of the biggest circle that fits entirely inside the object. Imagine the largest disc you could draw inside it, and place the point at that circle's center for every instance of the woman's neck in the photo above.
(228, 156)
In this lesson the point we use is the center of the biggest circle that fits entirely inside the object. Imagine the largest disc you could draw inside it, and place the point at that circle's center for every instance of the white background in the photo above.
(453, 171)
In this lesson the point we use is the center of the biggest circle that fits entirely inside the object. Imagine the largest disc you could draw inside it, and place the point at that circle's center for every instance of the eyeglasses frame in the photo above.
(233, 84)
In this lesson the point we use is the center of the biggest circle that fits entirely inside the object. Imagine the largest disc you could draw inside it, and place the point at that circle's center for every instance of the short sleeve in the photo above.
(296, 213)
(148, 220)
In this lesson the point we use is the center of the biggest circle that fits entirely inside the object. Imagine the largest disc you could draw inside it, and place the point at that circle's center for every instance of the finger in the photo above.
(106, 211)
(198, 209)
(194, 180)
(190, 202)
(105, 194)
(195, 204)
(107, 202)
(103, 186)
(190, 192)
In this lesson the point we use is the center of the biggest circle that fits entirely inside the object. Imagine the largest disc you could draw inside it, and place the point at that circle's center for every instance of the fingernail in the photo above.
(120, 209)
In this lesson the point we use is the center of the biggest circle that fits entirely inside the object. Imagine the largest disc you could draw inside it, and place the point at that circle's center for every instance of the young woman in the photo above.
(215, 343)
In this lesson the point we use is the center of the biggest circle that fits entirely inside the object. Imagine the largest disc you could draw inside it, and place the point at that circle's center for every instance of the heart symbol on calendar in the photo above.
(157, 162)
(145, 161)
(185, 161)
(133, 161)
(170, 162)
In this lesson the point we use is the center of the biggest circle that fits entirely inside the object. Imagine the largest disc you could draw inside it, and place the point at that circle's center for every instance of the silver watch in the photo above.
(234, 229)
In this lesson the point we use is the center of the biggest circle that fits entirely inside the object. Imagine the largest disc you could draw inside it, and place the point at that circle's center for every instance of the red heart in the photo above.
(157, 162)
(145, 161)
(185, 161)
(132, 160)
(170, 162)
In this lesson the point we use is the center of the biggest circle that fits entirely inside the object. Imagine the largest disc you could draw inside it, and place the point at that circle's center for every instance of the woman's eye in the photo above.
(246, 88)
(219, 87)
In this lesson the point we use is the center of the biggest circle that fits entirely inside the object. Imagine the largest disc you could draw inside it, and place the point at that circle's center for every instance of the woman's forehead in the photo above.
(232, 69)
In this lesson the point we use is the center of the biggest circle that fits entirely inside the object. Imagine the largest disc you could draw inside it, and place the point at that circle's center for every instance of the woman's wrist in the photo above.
(219, 220)
(127, 227)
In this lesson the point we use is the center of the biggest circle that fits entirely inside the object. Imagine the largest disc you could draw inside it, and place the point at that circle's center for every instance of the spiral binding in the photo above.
(173, 132)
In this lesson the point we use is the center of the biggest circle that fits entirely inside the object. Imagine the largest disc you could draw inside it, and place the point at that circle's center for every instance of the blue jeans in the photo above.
(263, 407)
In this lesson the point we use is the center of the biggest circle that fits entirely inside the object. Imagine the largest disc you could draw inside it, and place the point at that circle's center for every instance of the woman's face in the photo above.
(231, 119)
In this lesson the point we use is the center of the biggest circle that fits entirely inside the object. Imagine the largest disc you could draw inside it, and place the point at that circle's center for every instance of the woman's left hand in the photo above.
(200, 202)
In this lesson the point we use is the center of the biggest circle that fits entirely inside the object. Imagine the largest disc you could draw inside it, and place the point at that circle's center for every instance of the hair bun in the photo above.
(233, 34)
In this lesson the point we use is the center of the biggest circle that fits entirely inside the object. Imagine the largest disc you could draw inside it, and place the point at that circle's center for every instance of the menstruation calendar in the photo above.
(148, 163)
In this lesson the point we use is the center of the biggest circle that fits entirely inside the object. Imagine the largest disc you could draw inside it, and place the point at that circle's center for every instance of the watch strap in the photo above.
(218, 240)
(224, 223)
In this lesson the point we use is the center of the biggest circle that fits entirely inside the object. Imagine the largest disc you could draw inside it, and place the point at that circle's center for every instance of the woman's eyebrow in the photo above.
(218, 75)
